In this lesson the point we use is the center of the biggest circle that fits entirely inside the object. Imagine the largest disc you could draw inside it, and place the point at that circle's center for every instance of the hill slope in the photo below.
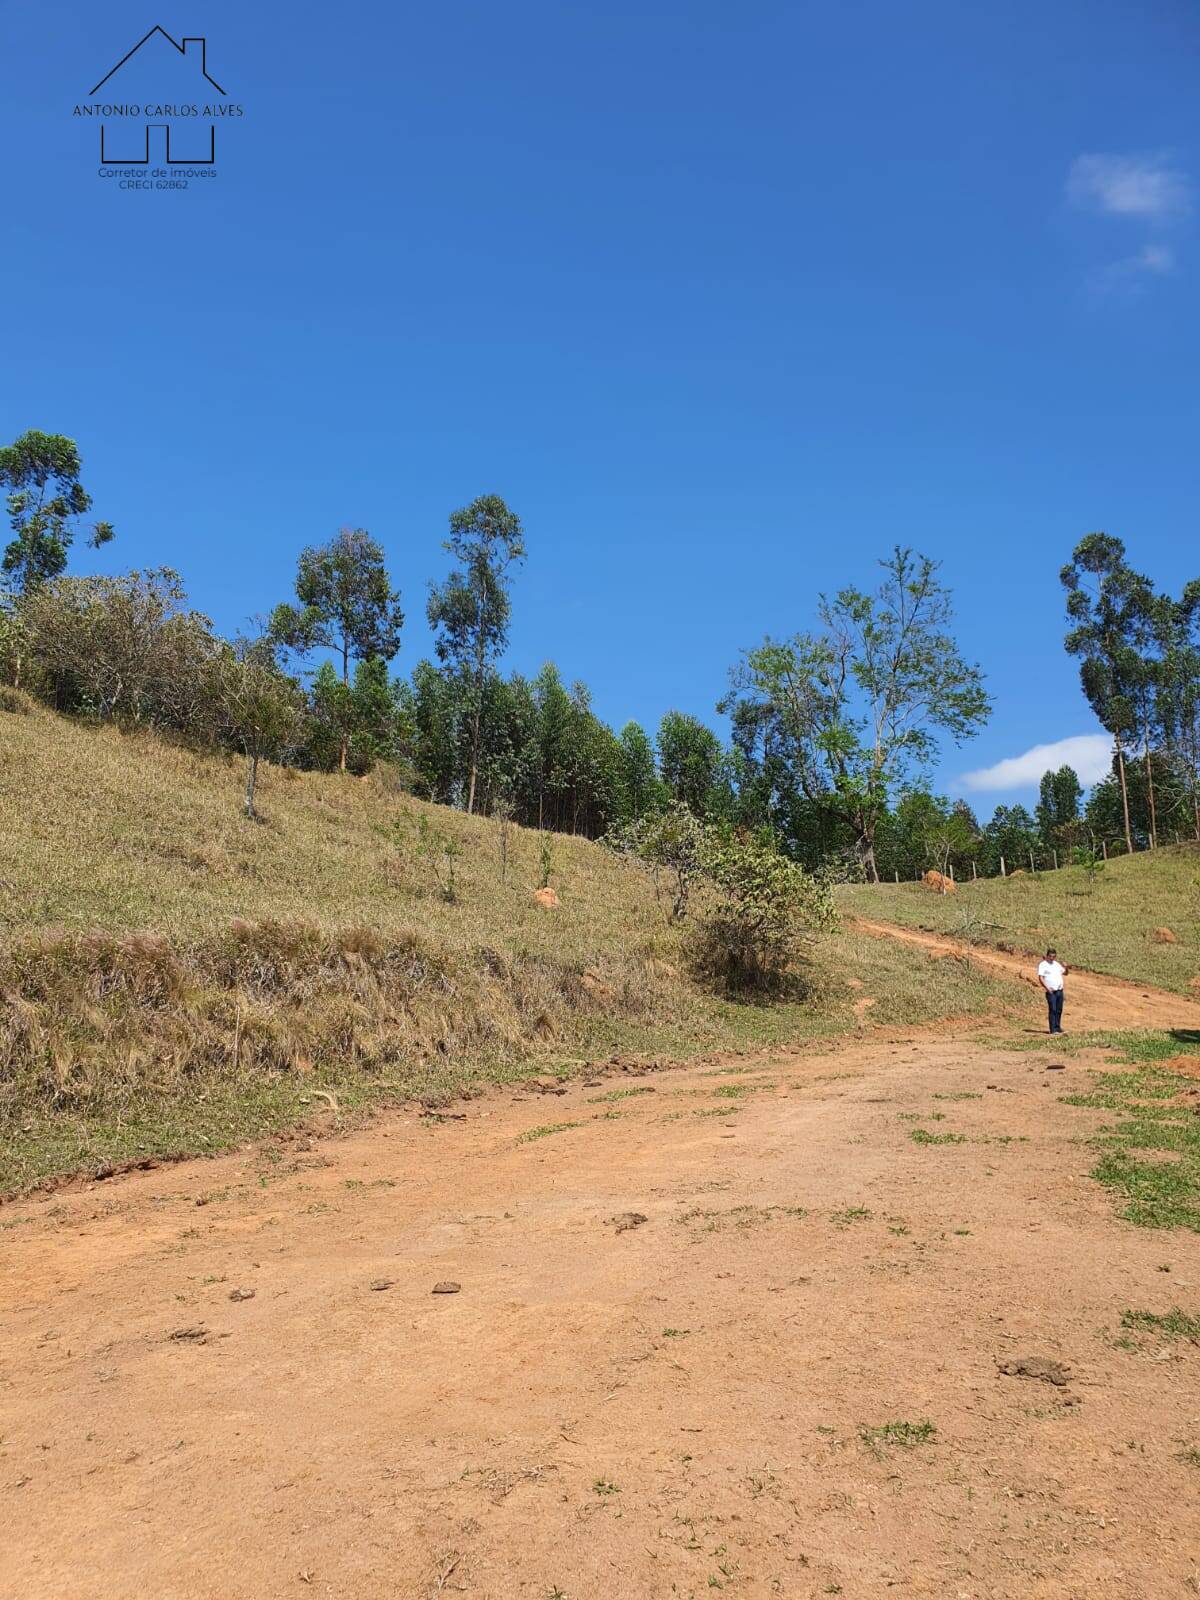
(178, 978)
(1107, 924)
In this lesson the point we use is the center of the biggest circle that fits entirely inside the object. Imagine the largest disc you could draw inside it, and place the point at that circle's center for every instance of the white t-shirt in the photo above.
(1052, 974)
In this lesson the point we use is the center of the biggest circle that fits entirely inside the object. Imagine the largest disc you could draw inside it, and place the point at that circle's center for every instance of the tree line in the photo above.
(833, 730)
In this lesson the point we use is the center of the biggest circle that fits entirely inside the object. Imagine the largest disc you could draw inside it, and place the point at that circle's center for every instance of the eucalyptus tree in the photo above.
(1060, 796)
(691, 762)
(470, 611)
(258, 706)
(346, 605)
(855, 708)
(1106, 605)
(1179, 698)
(46, 499)
(641, 789)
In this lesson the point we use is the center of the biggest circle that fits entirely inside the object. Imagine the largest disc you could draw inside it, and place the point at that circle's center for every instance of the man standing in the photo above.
(1051, 973)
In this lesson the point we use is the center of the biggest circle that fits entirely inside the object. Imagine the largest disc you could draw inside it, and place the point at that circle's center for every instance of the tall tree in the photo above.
(260, 707)
(856, 706)
(1150, 616)
(641, 789)
(347, 605)
(1179, 702)
(1060, 796)
(691, 763)
(1105, 601)
(470, 611)
(1011, 836)
(45, 501)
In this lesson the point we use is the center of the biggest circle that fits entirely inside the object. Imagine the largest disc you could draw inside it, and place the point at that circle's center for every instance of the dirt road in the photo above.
(232, 1379)
(1093, 1000)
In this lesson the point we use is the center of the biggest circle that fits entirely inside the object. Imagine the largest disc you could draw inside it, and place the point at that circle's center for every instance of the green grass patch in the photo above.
(898, 1435)
(923, 1136)
(1150, 1155)
(1136, 1046)
(1173, 1324)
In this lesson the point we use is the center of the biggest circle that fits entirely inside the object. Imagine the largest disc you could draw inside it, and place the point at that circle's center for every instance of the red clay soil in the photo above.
(829, 1360)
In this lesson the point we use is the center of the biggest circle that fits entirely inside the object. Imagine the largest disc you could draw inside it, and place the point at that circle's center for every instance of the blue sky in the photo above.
(725, 300)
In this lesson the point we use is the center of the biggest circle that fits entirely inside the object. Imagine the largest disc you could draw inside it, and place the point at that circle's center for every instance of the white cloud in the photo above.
(1128, 275)
(1089, 753)
(1155, 258)
(1129, 186)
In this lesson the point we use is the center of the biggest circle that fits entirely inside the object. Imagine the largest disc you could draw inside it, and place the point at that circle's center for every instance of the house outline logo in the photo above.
(191, 49)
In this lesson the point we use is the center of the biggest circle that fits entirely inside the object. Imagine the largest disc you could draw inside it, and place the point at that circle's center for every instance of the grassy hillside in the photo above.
(1107, 924)
(176, 978)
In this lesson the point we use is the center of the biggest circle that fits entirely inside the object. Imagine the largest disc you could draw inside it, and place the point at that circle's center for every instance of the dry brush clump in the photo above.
(96, 1022)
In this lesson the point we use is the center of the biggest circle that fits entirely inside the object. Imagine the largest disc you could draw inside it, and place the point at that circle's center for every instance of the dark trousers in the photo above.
(1054, 1000)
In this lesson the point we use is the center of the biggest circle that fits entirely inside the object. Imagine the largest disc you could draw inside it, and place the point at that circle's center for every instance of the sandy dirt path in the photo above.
(670, 1409)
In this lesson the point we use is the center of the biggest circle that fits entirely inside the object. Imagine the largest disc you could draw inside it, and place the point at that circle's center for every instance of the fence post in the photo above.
(1104, 847)
(974, 874)
(1032, 868)
(1003, 874)
(1054, 853)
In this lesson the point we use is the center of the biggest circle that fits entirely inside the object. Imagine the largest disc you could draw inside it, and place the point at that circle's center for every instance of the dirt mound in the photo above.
(547, 899)
(1164, 936)
(1184, 1066)
(939, 883)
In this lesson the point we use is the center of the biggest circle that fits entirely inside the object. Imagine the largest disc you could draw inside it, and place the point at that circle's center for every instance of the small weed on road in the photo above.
(546, 1129)
(897, 1435)
(843, 1219)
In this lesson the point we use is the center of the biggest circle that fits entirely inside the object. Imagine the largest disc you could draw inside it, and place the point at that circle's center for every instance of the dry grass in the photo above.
(1106, 925)
(176, 978)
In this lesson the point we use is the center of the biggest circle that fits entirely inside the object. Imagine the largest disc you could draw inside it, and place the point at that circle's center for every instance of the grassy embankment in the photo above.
(1106, 924)
(176, 979)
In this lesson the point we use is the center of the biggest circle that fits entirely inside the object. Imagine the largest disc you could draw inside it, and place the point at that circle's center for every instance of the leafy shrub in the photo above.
(1089, 858)
(764, 908)
(670, 844)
